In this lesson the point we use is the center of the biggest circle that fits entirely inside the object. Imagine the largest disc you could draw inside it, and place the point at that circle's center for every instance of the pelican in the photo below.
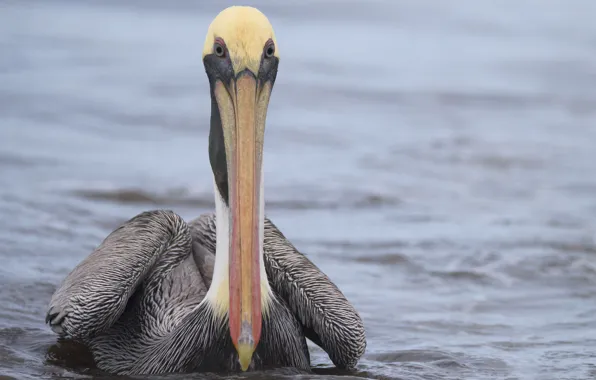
(226, 291)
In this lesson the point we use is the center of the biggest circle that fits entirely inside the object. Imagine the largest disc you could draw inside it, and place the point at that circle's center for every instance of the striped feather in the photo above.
(136, 303)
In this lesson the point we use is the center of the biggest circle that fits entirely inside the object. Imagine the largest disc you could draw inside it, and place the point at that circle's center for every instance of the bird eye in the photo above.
(269, 50)
(218, 49)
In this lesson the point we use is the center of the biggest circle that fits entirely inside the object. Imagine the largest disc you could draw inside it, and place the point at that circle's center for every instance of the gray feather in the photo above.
(136, 303)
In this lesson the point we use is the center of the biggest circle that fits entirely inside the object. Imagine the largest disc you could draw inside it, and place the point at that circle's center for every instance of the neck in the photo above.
(218, 293)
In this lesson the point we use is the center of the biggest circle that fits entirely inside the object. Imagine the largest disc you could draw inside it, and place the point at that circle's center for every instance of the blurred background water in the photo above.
(435, 159)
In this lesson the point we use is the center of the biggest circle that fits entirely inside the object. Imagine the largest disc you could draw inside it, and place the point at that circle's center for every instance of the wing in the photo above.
(328, 319)
(140, 252)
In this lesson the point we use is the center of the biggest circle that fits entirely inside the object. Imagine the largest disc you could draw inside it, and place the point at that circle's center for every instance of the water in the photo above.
(435, 159)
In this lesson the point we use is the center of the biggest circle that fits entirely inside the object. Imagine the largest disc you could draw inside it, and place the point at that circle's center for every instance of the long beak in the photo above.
(243, 109)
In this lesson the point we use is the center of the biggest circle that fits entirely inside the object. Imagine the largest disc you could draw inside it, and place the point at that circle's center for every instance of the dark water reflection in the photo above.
(435, 159)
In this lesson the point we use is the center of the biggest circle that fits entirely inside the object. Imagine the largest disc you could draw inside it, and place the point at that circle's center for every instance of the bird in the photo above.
(225, 292)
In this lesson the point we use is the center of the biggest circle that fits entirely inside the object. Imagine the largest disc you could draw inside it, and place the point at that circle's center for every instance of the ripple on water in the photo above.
(432, 364)
(186, 197)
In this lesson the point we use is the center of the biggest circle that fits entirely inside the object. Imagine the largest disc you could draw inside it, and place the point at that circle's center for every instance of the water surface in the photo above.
(435, 159)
